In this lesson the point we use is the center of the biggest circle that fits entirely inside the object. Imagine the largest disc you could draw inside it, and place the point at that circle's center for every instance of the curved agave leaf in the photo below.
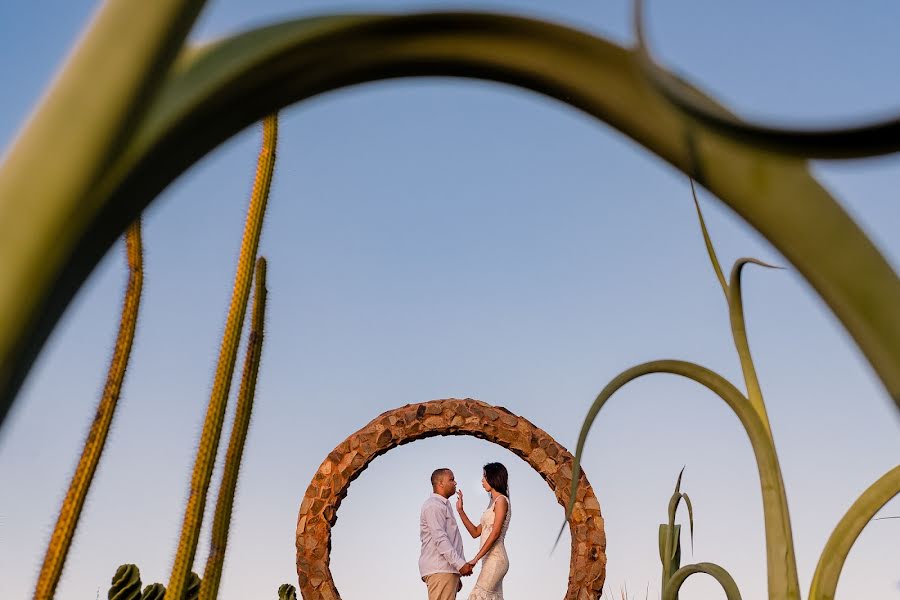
(825, 579)
(109, 79)
(781, 564)
(673, 533)
(734, 299)
(670, 559)
(710, 250)
(852, 142)
(215, 91)
(739, 333)
(721, 575)
(690, 508)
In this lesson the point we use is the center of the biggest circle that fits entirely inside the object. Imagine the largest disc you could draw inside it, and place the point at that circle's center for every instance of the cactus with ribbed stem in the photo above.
(215, 414)
(154, 591)
(287, 592)
(126, 583)
(192, 589)
(73, 503)
(222, 519)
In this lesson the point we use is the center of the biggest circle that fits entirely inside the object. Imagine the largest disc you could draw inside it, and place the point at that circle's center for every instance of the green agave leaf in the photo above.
(739, 333)
(670, 560)
(109, 80)
(215, 91)
(881, 137)
(781, 562)
(710, 250)
(673, 544)
(690, 508)
(678, 481)
(670, 592)
(831, 562)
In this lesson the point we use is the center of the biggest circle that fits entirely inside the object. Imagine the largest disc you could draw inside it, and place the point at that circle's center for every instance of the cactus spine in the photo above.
(70, 512)
(212, 425)
(287, 592)
(126, 584)
(222, 519)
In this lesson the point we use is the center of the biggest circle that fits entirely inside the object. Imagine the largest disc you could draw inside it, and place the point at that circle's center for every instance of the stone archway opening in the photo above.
(329, 486)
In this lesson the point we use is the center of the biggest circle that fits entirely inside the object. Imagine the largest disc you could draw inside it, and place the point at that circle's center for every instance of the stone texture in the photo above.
(318, 510)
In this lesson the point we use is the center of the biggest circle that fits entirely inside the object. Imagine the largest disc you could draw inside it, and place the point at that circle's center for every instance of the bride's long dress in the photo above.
(495, 563)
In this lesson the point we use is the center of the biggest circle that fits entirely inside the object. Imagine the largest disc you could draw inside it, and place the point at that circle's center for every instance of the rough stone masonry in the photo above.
(318, 510)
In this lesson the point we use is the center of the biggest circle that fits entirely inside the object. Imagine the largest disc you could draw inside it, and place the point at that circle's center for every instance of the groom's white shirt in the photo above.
(442, 549)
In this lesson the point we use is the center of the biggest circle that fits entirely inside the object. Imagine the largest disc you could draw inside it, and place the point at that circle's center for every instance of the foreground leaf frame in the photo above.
(70, 187)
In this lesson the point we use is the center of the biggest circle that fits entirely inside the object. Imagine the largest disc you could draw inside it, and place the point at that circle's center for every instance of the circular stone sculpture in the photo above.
(318, 511)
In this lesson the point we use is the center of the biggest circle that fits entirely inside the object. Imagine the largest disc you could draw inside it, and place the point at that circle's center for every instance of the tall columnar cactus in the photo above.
(222, 519)
(154, 591)
(215, 414)
(64, 531)
(287, 592)
(673, 574)
(126, 583)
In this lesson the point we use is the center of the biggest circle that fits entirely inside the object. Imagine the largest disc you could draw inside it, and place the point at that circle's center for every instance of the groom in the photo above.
(441, 562)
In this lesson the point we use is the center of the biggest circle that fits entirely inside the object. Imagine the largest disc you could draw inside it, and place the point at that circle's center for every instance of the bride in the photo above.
(492, 530)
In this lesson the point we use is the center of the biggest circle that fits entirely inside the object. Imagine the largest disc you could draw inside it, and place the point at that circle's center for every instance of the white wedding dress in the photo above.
(495, 563)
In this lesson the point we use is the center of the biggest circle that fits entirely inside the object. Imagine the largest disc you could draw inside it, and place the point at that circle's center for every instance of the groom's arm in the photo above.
(434, 522)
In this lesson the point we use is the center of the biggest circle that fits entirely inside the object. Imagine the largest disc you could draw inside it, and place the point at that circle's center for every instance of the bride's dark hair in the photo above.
(497, 477)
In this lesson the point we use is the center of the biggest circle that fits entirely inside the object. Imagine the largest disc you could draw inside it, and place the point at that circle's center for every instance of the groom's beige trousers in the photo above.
(442, 586)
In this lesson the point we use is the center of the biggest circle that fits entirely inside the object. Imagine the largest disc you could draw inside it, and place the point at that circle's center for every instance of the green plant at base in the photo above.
(192, 589)
(154, 591)
(287, 592)
(225, 502)
(126, 583)
(215, 414)
(73, 503)
(673, 574)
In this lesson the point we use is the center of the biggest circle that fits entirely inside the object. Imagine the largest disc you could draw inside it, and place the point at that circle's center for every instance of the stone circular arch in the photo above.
(318, 510)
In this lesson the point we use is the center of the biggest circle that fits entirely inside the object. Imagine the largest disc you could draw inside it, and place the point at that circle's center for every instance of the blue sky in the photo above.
(437, 238)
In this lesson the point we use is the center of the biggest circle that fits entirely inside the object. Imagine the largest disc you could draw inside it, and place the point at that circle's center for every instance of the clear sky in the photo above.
(441, 238)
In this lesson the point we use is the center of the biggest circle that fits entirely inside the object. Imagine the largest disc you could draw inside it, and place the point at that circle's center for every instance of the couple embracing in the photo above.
(441, 563)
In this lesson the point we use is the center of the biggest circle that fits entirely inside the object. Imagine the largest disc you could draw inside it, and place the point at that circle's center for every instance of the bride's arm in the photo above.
(500, 508)
(473, 531)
